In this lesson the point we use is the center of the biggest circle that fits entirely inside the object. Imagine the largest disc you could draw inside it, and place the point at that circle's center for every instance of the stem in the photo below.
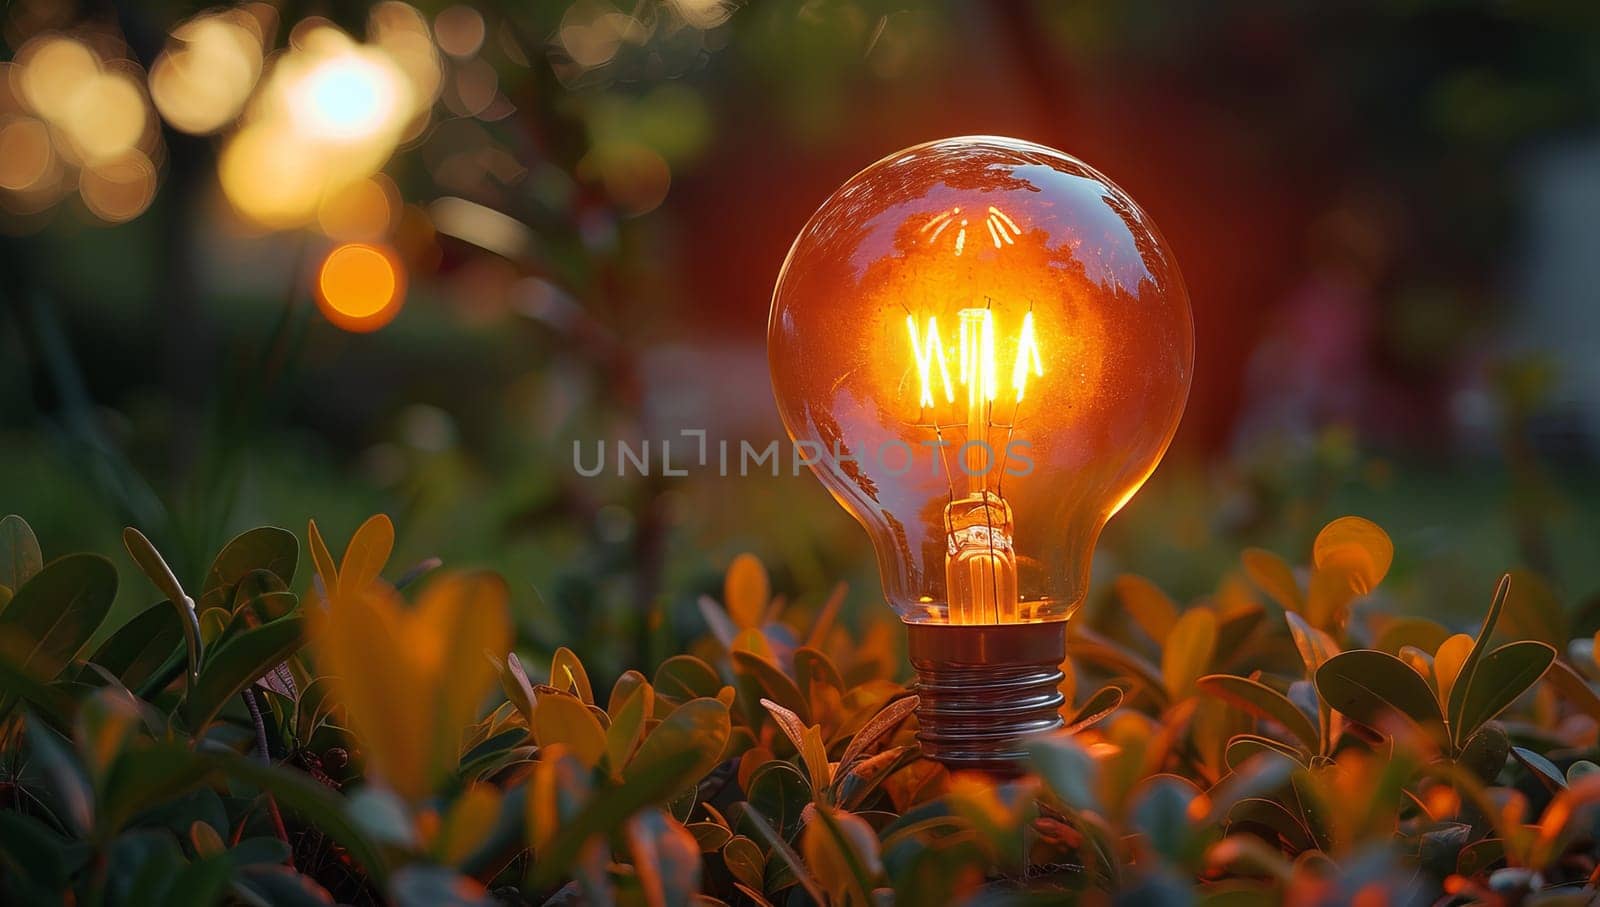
(265, 752)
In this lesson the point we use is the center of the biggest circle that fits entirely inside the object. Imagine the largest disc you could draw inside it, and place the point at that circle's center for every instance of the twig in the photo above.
(266, 759)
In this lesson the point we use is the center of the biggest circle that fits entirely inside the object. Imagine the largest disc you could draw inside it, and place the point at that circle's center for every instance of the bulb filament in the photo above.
(980, 562)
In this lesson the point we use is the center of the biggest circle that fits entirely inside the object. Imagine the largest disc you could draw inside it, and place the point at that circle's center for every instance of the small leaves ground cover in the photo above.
(300, 728)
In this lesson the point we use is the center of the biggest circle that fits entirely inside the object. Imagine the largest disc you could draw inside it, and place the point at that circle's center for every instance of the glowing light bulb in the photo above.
(990, 346)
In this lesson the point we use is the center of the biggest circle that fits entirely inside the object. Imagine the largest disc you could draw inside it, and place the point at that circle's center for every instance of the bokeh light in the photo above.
(459, 31)
(91, 125)
(329, 115)
(362, 210)
(105, 117)
(50, 70)
(26, 156)
(635, 177)
(119, 190)
(360, 286)
(201, 82)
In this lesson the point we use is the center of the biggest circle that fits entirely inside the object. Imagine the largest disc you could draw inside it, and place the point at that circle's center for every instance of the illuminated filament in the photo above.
(927, 353)
(976, 360)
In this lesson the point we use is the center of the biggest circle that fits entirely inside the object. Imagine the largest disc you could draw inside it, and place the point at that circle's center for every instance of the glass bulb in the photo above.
(983, 348)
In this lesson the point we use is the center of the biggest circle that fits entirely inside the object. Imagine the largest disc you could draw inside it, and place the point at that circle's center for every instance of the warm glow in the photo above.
(25, 153)
(360, 287)
(362, 210)
(119, 190)
(993, 346)
(975, 357)
(459, 30)
(51, 70)
(94, 129)
(328, 118)
(105, 117)
(274, 182)
(348, 97)
(201, 82)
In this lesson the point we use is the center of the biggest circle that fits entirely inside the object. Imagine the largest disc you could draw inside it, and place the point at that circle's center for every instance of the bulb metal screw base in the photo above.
(985, 689)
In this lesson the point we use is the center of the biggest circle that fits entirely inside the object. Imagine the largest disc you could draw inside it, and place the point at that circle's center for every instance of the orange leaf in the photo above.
(366, 555)
(1447, 662)
(1356, 548)
(322, 558)
(746, 590)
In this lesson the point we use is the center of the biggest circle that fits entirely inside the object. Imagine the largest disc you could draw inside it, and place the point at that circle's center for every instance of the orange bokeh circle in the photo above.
(360, 286)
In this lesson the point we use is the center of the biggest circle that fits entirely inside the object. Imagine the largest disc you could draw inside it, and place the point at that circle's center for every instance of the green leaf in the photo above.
(1161, 812)
(56, 613)
(1498, 680)
(298, 791)
(436, 886)
(1314, 645)
(1241, 747)
(1188, 650)
(1066, 767)
(68, 782)
(813, 669)
(50, 702)
(203, 881)
(699, 728)
(1365, 683)
(145, 776)
(19, 553)
(1480, 646)
(771, 683)
(236, 663)
(853, 786)
(780, 848)
(142, 645)
(685, 677)
(627, 727)
(1543, 769)
(667, 856)
(1103, 702)
(1581, 769)
(30, 850)
(1262, 701)
(780, 792)
(1273, 816)
(1085, 645)
(1484, 753)
(745, 861)
(887, 719)
(262, 548)
(562, 718)
(280, 886)
(604, 813)
(843, 851)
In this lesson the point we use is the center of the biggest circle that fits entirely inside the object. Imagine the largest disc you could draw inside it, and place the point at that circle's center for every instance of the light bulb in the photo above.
(982, 347)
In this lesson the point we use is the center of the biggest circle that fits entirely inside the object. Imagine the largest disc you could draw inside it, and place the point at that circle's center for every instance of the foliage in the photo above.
(303, 736)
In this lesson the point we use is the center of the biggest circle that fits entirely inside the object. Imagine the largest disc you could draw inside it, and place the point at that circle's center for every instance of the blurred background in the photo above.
(321, 259)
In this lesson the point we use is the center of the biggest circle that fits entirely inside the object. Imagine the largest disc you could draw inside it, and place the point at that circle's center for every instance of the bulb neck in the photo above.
(985, 689)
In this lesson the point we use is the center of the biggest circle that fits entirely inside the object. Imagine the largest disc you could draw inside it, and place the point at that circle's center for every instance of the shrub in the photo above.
(1270, 742)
